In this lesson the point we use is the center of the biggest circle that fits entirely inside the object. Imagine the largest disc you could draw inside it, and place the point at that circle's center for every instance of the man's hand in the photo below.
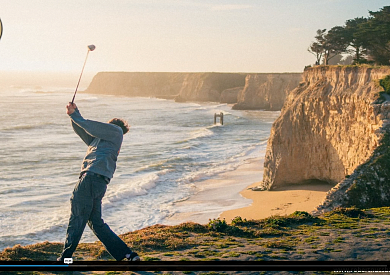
(70, 108)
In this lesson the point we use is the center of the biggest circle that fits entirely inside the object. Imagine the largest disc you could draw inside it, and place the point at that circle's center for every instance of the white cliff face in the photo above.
(266, 91)
(208, 86)
(327, 127)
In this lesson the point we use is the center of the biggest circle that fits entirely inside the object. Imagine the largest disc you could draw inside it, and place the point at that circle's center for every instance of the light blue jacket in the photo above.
(104, 141)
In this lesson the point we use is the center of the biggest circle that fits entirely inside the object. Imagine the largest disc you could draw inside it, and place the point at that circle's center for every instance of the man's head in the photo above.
(121, 123)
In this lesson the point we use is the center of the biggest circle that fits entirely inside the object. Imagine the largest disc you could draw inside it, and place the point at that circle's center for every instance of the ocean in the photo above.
(170, 149)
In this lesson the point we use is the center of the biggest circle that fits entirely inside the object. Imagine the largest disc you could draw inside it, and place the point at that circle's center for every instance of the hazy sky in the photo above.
(168, 35)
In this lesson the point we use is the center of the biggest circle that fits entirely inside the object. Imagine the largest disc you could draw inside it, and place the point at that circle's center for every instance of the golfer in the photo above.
(104, 141)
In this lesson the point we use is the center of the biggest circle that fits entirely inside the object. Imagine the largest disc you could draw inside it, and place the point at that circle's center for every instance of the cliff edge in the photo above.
(331, 125)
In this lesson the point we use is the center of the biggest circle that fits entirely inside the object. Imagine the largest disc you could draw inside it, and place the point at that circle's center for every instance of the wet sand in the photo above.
(227, 196)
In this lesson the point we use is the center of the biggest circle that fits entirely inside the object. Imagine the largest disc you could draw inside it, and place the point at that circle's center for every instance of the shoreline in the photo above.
(219, 192)
(230, 191)
(283, 201)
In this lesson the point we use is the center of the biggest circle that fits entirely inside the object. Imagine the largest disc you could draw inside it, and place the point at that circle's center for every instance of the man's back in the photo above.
(104, 141)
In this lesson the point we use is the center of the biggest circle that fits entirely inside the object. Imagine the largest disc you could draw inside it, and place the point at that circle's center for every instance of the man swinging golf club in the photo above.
(104, 141)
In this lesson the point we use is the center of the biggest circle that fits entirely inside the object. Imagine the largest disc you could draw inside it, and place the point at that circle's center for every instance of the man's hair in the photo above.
(121, 123)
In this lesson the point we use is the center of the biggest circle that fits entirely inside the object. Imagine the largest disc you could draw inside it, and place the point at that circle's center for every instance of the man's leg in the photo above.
(114, 245)
(81, 207)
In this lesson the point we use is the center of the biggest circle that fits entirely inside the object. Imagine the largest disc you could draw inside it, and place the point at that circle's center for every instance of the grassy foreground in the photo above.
(345, 234)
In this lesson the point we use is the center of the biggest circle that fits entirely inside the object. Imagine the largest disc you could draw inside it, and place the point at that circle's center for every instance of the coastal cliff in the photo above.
(330, 127)
(266, 91)
(246, 91)
(143, 84)
(179, 86)
(208, 86)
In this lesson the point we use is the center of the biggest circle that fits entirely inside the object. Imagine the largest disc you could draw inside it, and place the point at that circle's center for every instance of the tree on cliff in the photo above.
(367, 39)
(356, 41)
(335, 43)
(316, 47)
(376, 34)
(328, 44)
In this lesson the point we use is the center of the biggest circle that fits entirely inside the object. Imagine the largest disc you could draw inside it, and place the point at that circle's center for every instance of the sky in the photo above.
(168, 35)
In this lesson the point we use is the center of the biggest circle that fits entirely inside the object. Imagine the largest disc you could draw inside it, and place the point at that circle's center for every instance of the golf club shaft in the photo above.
(80, 77)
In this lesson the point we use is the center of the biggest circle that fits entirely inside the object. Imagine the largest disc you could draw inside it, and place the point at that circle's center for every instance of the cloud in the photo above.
(229, 7)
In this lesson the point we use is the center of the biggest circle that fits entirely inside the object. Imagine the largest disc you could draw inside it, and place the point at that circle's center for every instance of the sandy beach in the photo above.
(281, 202)
(230, 191)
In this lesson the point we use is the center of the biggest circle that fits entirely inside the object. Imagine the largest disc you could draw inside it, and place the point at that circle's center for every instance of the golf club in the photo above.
(90, 49)
(1, 28)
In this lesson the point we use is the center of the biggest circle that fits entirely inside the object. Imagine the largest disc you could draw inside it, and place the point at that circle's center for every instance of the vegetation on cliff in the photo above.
(371, 188)
(369, 184)
(343, 234)
(385, 84)
(366, 39)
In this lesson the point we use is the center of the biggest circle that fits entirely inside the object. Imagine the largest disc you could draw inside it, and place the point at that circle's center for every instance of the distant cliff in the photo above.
(266, 91)
(143, 84)
(329, 129)
(249, 91)
(208, 86)
(178, 86)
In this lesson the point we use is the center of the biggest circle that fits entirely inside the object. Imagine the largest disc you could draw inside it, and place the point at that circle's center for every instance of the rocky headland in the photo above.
(334, 128)
(246, 91)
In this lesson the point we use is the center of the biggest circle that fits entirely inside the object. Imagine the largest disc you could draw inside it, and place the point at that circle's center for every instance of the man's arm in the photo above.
(78, 130)
(87, 138)
(92, 128)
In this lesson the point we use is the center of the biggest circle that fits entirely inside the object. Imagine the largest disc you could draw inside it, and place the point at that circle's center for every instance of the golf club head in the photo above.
(91, 47)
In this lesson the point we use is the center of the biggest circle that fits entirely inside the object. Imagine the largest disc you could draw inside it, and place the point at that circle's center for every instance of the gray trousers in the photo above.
(86, 207)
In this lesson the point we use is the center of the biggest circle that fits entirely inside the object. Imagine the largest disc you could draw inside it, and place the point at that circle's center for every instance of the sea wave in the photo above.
(19, 223)
(39, 125)
(138, 186)
(165, 165)
(229, 164)
(88, 99)
(201, 133)
(34, 199)
(210, 171)
(47, 232)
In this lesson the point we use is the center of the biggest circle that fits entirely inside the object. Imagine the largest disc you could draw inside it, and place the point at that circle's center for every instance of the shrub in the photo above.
(296, 218)
(217, 225)
(190, 227)
(385, 84)
(238, 221)
(352, 212)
